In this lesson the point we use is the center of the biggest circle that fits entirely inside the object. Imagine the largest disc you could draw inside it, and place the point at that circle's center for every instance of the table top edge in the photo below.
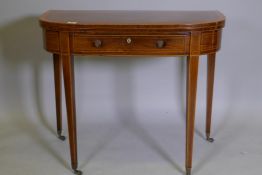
(46, 21)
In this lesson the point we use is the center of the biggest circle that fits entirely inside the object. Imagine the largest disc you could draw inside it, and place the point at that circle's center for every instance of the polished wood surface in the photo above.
(58, 92)
(130, 45)
(141, 19)
(192, 72)
(210, 86)
(163, 33)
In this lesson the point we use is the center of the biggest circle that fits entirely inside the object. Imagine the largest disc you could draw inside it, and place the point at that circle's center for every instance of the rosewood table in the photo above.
(162, 33)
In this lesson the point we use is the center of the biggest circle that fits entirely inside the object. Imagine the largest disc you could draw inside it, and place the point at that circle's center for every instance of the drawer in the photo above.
(130, 45)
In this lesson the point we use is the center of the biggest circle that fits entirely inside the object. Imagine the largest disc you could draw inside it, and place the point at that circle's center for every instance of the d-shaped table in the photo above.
(137, 33)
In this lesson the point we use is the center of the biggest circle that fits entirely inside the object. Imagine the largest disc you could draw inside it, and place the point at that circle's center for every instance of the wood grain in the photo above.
(106, 19)
(58, 93)
(192, 73)
(69, 83)
(210, 86)
(140, 45)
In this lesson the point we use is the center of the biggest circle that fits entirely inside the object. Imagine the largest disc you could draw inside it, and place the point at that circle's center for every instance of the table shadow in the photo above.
(22, 50)
(124, 101)
(182, 69)
(21, 42)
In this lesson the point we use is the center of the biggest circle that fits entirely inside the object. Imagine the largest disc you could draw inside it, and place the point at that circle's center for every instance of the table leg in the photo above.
(68, 69)
(210, 84)
(192, 73)
(57, 78)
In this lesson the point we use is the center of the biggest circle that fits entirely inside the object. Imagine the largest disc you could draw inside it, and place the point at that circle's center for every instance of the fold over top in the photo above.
(186, 20)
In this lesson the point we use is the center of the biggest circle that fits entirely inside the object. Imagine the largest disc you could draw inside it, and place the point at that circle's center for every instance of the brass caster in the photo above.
(61, 137)
(78, 172)
(209, 139)
(188, 171)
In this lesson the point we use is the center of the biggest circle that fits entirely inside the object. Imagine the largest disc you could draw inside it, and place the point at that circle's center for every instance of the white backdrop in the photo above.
(26, 69)
(111, 90)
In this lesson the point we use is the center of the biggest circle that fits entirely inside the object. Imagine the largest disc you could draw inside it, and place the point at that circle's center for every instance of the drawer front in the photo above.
(130, 45)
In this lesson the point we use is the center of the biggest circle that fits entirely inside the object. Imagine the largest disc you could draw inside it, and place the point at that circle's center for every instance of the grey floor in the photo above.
(28, 146)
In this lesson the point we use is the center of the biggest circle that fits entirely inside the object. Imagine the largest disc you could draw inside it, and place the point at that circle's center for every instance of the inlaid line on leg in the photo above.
(192, 74)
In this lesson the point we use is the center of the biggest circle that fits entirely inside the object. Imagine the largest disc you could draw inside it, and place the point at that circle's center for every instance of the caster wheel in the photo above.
(209, 139)
(78, 172)
(61, 137)
(188, 171)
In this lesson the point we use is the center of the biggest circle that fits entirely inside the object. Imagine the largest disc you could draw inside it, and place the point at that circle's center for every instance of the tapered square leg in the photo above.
(68, 69)
(210, 86)
(58, 79)
(192, 73)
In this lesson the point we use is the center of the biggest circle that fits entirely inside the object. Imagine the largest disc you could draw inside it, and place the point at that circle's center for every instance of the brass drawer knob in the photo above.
(97, 43)
(160, 44)
(128, 40)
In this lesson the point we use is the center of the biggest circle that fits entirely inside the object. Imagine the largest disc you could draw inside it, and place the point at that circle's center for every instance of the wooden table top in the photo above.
(137, 19)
